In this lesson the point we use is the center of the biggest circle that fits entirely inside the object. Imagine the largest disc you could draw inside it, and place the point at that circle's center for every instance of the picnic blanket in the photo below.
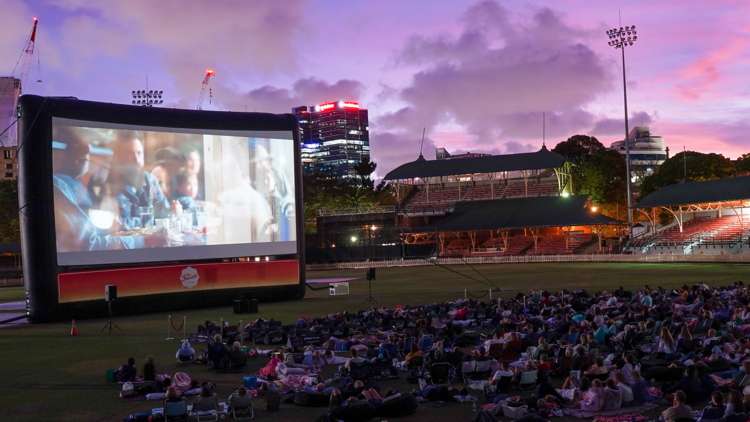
(623, 418)
(578, 413)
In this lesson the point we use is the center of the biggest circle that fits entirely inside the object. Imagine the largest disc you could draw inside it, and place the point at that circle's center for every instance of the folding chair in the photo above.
(205, 410)
(439, 373)
(528, 381)
(467, 368)
(496, 350)
(426, 343)
(244, 410)
(176, 411)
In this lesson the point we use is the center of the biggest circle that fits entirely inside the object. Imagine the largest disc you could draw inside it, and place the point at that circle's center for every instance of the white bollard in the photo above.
(465, 298)
(184, 329)
(169, 328)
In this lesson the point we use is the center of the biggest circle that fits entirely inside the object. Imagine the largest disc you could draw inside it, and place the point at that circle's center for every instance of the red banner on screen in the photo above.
(141, 281)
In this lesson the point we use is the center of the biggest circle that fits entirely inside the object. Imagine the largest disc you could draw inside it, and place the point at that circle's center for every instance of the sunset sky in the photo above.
(478, 75)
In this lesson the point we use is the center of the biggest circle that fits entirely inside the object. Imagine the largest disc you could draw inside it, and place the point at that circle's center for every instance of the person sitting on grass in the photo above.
(126, 372)
(149, 369)
(237, 357)
(240, 399)
(185, 353)
(171, 396)
(413, 352)
(598, 368)
(593, 399)
(543, 365)
(679, 409)
(206, 400)
(625, 390)
(573, 389)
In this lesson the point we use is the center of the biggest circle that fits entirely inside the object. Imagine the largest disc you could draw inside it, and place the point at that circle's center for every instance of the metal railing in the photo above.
(529, 259)
(355, 211)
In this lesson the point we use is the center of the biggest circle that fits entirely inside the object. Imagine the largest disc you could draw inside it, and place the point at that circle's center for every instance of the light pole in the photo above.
(620, 38)
(150, 98)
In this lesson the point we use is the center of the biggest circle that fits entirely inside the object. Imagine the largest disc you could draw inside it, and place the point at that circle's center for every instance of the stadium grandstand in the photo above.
(512, 204)
(708, 217)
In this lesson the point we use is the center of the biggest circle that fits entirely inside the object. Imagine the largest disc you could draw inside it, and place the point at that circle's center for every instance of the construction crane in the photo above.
(29, 58)
(209, 73)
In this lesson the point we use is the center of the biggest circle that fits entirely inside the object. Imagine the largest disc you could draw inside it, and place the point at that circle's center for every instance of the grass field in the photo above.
(48, 375)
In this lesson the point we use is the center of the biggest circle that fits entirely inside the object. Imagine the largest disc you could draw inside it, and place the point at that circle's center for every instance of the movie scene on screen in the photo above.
(122, 192)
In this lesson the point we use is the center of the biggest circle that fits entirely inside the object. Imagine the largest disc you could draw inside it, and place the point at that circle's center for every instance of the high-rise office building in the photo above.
(334, 136)
(10, 89)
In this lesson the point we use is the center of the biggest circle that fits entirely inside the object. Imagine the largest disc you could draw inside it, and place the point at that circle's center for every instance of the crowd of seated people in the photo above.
(607, 347)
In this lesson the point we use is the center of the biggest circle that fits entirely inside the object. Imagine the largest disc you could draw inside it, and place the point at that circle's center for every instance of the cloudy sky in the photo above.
(476, 74)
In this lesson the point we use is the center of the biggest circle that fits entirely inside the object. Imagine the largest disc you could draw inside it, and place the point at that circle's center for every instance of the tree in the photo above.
(579, 148)
(700, 167)
(742, 166)
(602, 177)
(10, 229)
(364, 169)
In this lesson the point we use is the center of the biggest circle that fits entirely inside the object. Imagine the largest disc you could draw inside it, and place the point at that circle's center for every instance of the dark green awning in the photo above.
(542, 159)
(522, 213)
(683, 193)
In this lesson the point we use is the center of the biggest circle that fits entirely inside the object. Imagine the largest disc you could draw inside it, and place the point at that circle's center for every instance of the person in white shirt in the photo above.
(625, 390)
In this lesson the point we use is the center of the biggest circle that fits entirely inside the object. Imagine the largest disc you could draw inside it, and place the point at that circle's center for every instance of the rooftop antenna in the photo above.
(422, 144)
(544, 128)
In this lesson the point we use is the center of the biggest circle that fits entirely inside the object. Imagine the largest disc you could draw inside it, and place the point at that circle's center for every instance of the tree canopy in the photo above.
(9, 229)
(700, 167)
(579, 148)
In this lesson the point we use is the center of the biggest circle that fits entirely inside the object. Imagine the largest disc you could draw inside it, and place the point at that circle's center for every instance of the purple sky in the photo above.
(477, 75)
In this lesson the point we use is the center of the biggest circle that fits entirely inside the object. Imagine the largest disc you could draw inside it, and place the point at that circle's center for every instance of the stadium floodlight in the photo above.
(621, 38)
(150, 98)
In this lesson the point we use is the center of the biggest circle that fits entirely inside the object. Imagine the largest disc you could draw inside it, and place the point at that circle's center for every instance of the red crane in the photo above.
(29, 58)
(209, 73)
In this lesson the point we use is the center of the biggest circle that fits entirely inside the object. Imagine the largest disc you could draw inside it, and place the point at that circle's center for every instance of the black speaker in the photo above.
(110, 292)
(245, 306)
(370, 274)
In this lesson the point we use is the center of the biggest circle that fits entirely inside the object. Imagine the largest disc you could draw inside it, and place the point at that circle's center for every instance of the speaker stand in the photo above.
(110, 325)
(369, 296)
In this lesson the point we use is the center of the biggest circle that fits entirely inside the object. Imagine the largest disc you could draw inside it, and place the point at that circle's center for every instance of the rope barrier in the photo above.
(478, 297)
(175, 328)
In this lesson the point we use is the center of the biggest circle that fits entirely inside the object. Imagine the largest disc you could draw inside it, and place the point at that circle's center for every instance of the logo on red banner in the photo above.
(189, 277)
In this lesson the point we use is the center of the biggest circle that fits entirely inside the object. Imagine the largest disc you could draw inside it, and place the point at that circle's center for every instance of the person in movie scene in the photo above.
(186, 190)
(75, 229)
(133, 187)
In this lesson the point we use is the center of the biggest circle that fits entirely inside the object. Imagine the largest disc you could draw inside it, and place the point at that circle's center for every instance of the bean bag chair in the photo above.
(311, 400)
(355, 413)
(396, 408)
(282, 369)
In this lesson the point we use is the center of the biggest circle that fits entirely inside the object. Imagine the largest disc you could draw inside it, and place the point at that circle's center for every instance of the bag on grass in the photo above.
(250, 381)
(513, 411)
(127, 389)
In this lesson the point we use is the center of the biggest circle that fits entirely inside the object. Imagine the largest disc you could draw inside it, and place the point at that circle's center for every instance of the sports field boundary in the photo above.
(531, 259)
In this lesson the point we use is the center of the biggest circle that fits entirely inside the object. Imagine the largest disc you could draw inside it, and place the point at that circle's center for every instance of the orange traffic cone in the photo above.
(73, 329)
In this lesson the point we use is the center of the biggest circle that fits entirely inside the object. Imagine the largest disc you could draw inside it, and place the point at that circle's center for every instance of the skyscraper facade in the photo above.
(10, 89)
(334, 136)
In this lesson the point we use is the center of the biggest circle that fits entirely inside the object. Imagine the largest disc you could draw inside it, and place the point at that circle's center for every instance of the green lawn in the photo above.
(48, 375)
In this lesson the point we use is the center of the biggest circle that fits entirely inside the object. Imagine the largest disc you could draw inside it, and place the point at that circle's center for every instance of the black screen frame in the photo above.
(36, 207)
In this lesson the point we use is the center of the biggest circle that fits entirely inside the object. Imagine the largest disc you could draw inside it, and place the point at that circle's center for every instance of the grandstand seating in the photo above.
(705, 229)
(519, 190)
(458, 247)
(484, 192)
(555, 245)
(439, 199)
(443, 199)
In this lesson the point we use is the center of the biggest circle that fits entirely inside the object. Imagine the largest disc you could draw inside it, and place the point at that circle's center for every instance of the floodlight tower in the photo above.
(621, 38)
(150, 98)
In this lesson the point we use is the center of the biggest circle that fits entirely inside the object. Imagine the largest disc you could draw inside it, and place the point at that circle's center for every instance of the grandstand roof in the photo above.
(544, 211)
(542, 159)
(683, 193)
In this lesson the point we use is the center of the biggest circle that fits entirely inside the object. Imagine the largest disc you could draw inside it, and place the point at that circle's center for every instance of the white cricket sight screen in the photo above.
(128, 194)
